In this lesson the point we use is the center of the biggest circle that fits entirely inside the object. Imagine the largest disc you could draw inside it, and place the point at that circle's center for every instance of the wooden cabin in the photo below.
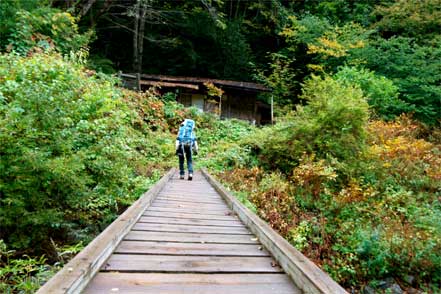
(238, 100)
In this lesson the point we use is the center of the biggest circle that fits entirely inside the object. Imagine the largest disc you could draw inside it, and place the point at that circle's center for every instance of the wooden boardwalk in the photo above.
(188, 240)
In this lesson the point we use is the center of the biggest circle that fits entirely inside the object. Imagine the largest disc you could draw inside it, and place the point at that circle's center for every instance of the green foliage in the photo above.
(332, 124)
(218, 143)
(45, 29)
(280, 79)
(397, 59)
(22, 275)
(328, 45)
(101, 64)
(169, 97)
(381, 92)
(236, 52)
(313, 44)
(363, 218)
(407, 18)
(71, 158)
(8, 11)
(298, 236)
(340, 11)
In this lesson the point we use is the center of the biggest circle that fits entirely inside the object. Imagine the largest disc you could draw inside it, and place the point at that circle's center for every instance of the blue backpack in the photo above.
(186, 135)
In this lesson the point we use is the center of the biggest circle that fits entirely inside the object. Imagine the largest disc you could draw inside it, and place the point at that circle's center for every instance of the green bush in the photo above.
(364, 218)
(413, 68)
(331, 125)
(46, 29)
(381, 92)
(70, 159)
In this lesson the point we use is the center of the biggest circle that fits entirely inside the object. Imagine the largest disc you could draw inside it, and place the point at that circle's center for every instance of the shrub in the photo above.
(71, 158)
(397, 58)
(331, 125)
(381, 92)
(46, 29)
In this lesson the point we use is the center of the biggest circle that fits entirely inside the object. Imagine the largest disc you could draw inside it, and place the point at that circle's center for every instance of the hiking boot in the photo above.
(181, 177)
(190, 177)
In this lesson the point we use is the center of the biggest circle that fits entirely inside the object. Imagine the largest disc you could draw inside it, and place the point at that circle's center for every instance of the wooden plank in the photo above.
(194, 186)
(306, 275)
(190, 264)
(173, 248)
(186, 215)
(189, 205)
(196, 222)
(191, 199)
(191, 194)
(166, 84)
(182, 79)
(178, 228)
(191, 211)
(190, 237)
(160, 283)
(75, 275)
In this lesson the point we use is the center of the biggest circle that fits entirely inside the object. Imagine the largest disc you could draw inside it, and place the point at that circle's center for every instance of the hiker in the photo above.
(186, 145)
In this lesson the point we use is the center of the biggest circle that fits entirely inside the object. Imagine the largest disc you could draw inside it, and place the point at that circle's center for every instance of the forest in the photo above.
(349, 173)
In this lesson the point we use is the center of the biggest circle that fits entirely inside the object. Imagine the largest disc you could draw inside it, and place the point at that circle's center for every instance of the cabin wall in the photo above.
(198, 101)
(240, 106)
(235, 104)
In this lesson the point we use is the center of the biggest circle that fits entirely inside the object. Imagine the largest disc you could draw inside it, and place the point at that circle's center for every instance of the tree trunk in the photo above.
(86, 7)
(135, 64)
(143, 12)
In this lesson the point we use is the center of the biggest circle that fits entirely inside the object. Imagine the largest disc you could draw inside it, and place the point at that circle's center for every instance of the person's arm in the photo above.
(177, 144)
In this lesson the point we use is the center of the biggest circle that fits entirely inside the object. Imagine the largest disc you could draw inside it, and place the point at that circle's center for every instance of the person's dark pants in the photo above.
(187, 154)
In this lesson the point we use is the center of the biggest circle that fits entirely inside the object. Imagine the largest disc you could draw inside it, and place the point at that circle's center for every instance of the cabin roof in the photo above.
(195, 82)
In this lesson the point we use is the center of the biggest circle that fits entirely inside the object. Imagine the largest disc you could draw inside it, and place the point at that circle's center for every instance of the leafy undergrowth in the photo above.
(361, 227)
(360, 198)
(76, 151)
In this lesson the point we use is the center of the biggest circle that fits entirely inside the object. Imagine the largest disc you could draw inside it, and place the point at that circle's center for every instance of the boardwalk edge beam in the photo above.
(77, 273)
(305, 274)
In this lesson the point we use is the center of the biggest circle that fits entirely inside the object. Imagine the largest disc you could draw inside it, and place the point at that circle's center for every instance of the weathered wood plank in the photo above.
(190, 237)
(160, 283)
(192, 211)
(191, 264)
(189, 205)
(173, 248)
(186, 215)
(196, 222)
(306, 275)
(193, 194)
(179, 228)
(201, 191)
(191, 199)
(74, 276)
(193, 187)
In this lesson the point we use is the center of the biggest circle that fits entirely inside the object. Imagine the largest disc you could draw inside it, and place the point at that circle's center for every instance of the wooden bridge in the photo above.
(189, 237)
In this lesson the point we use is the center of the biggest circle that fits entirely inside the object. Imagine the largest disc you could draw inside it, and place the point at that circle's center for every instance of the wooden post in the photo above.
(255, 122)
(272, 109)
(220, 106)
(229, 100)
(138, 81)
